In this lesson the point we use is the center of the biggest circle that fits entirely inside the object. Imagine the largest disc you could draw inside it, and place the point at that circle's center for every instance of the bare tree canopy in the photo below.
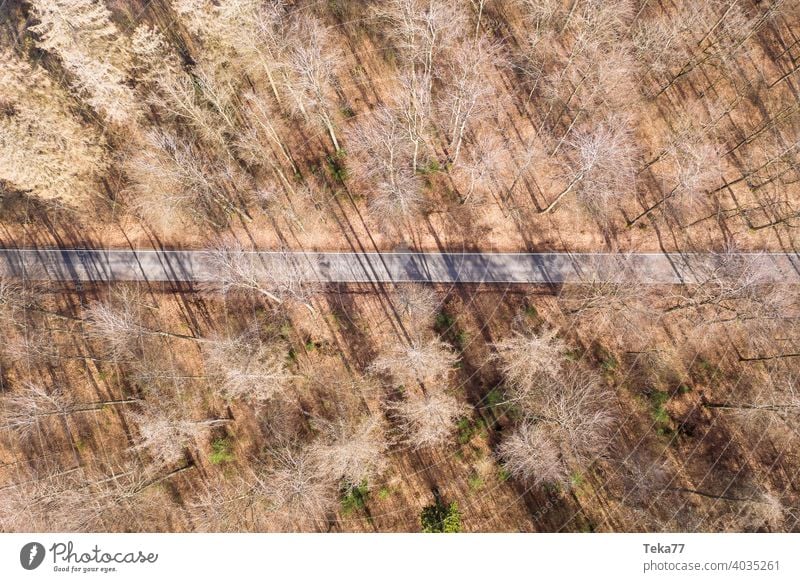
(529, 453)
(525, 357)
(82, 34)
(418, 361)
(351, 453)
(428, 420)
(247, 366)
(165, 434)
(280, 277)
(384, 140)
(296, 488)
(23, 411)
(44, 149)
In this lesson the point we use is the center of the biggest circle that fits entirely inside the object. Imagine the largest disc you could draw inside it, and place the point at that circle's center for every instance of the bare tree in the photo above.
(351, 452)
(32, 347)
(297, 490)
(427, 420)
(253, 40)
(574, 409)
(228, 504)
(480, 168)
(173, 179)
(529, 453)
(45, 498)
(575, 56)
(422, 31)
(717, 32)
(313, 61)
(610, 300)
(602, 170)
(479, 6)
(152, 55)
(765, 511)
(247, 367)
(165, 434)
(770, 167)
(660, 44)
(82, 34)
(118, 330)
(45, 150)
(388, 158)
(305, 208)
(730, 284)
(253, 29)
(202, 97)
(759, 400)
(13, 298)
(418, 361)
(416, 304)
(526, 357)
(280, 276)
(579, 411)
(695, 168)
(263, 135)
(119, 326)
(467, 99)
(158, 375)
(125, 495)
(24, 409)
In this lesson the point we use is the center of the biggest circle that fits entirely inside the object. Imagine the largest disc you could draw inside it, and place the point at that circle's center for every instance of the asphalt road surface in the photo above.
(428, 267)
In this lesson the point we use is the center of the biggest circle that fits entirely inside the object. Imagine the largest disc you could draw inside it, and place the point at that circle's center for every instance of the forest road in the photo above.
(102, 265)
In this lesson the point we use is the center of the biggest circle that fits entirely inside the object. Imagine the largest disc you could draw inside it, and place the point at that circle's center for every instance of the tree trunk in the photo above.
(563, 193)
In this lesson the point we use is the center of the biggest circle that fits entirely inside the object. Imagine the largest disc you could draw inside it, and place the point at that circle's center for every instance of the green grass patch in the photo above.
(311, 345)
(661, 418)
(354, 498)
(466, 430)
(285, 331)
(607, 360)
(476, 482)
(445, 326)
(220, 452)
(441, 518)
(432, 167)
(461, 339)
(494, 397)
(552, 489)
(444, 321)
(337, 167)
(609, 364)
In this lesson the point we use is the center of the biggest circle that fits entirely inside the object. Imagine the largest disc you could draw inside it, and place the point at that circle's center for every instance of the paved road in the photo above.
(334, 267)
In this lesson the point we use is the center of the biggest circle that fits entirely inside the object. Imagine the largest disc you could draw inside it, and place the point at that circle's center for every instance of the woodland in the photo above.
(252, 404)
